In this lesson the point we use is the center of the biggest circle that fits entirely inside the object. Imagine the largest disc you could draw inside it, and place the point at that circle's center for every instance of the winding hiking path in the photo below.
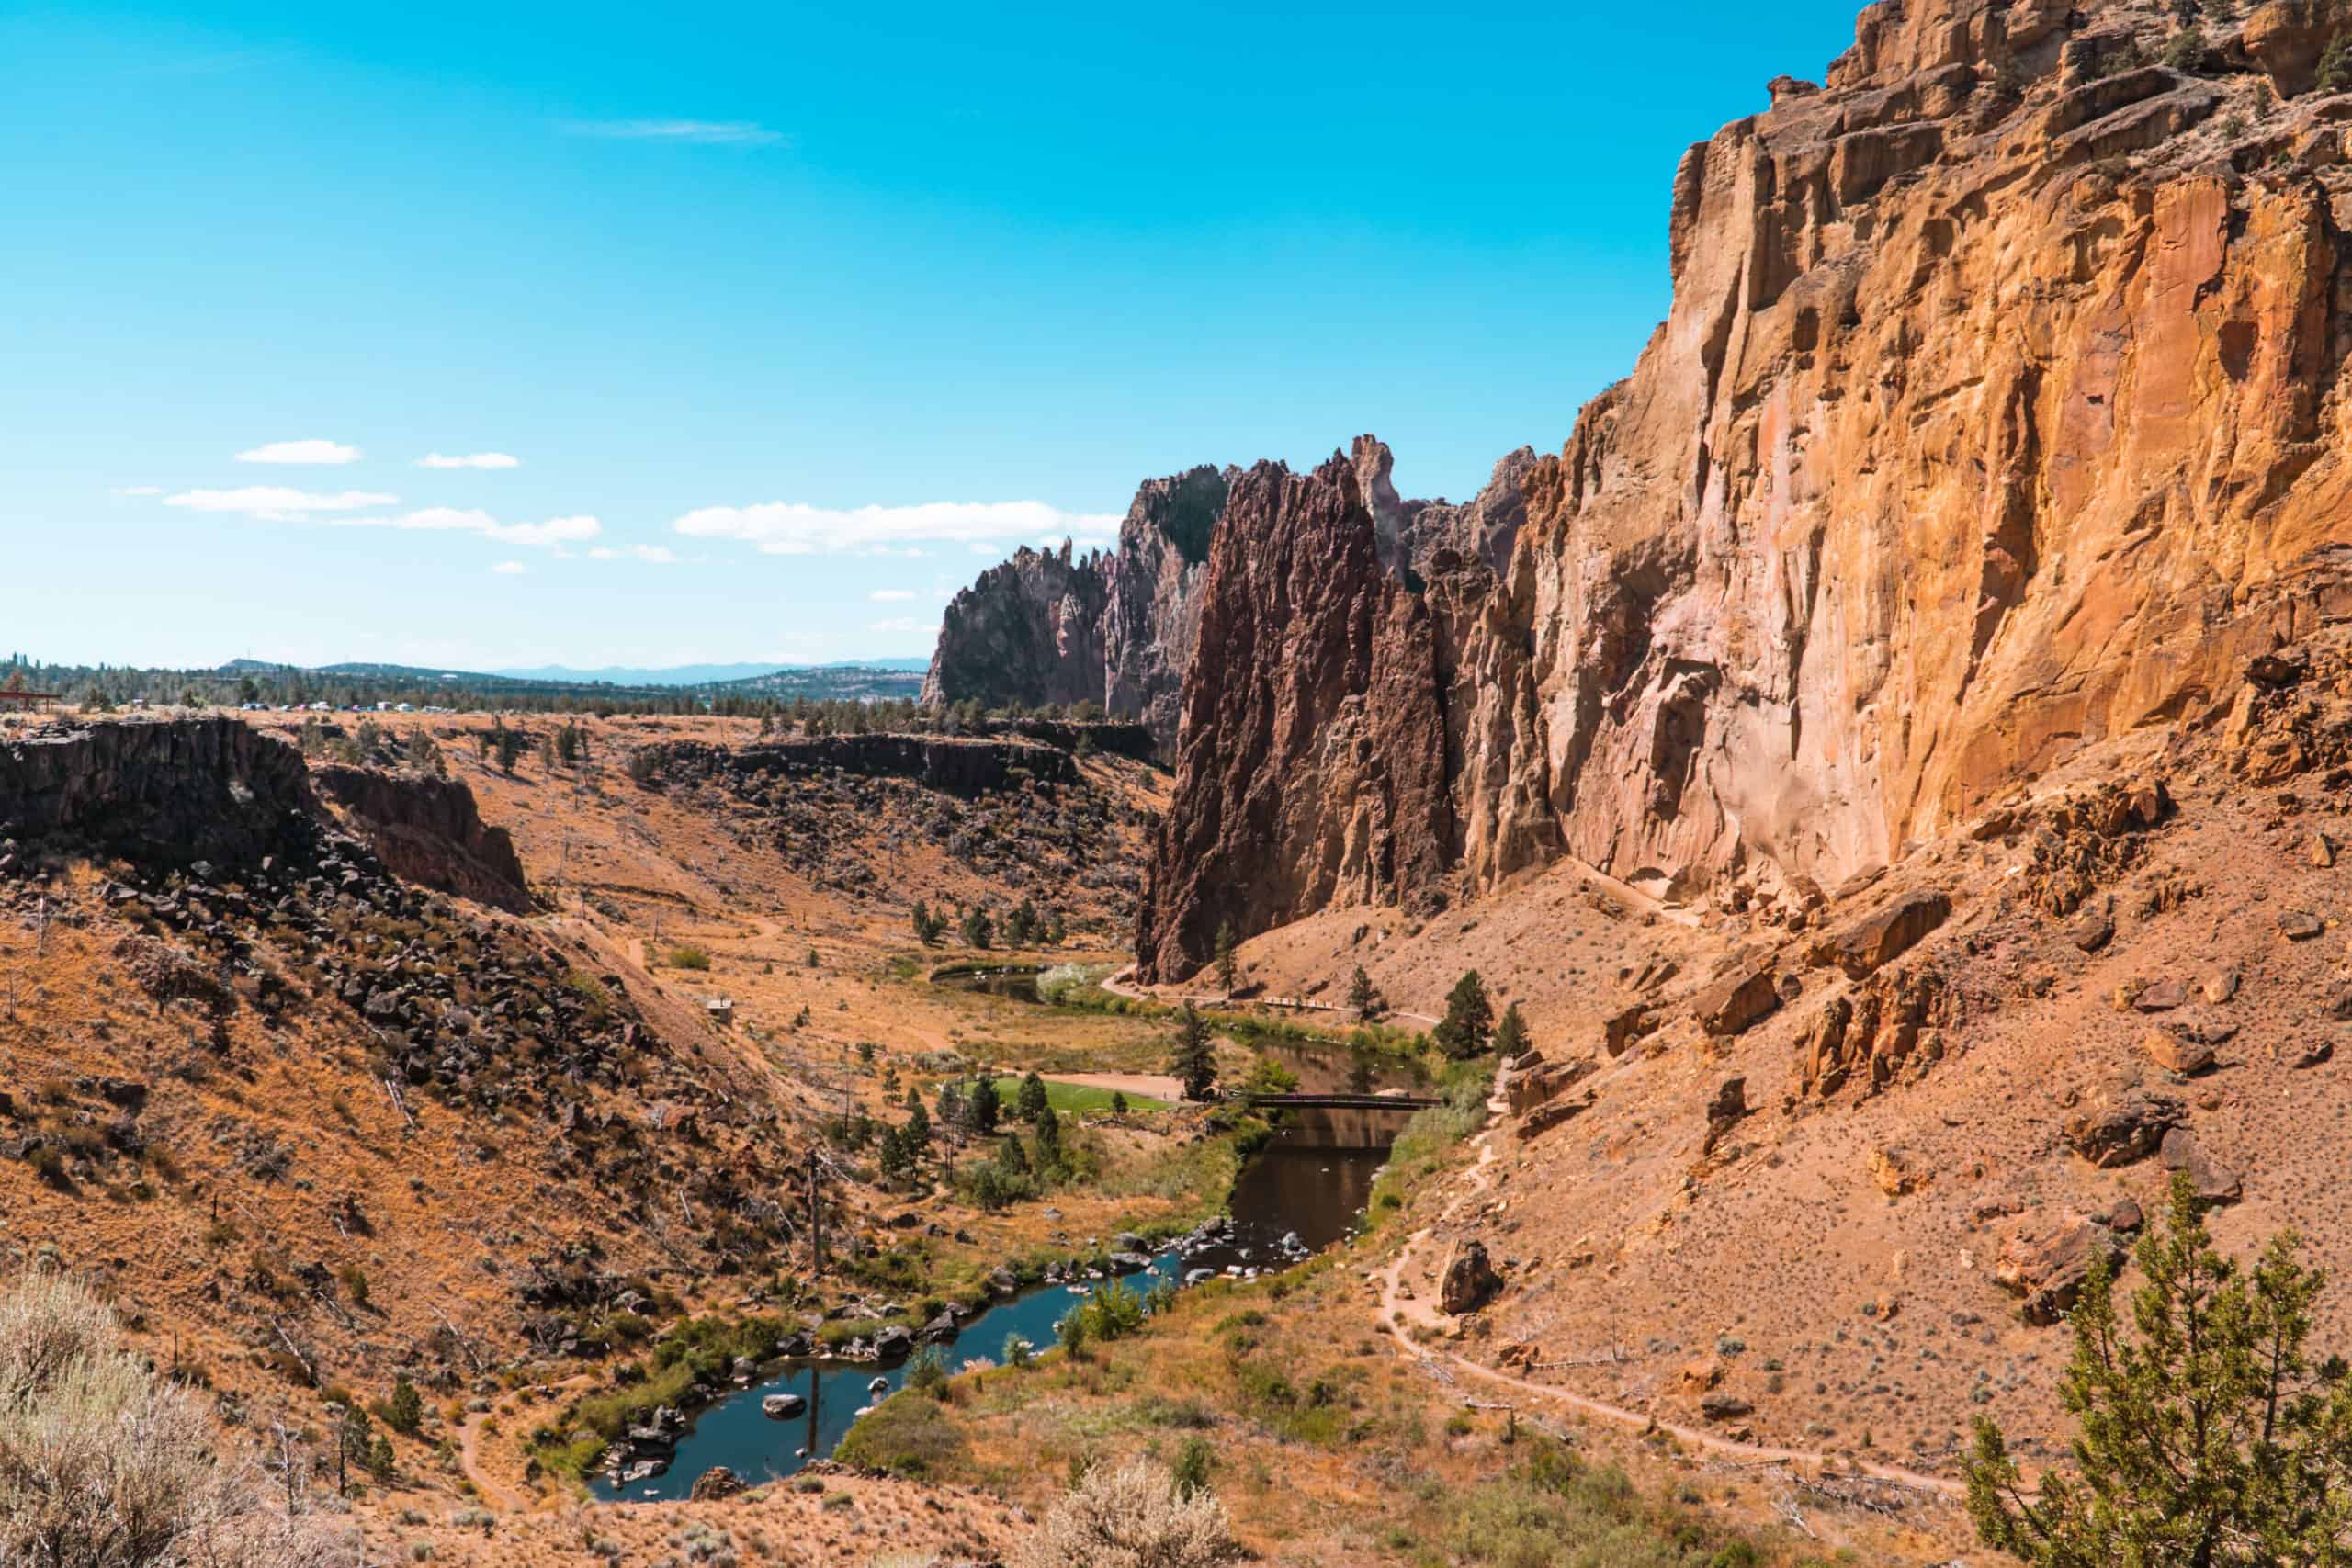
(1118, 985)
(1399, 1311)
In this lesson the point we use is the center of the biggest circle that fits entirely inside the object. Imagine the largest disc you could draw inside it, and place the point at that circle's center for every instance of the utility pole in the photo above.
(816, 1219)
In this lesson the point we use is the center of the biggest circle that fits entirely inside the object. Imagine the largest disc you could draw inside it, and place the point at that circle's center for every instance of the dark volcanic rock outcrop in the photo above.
(162, 794)
(1029, 632)
(954, 765)
(1313, 764)
(429, 831)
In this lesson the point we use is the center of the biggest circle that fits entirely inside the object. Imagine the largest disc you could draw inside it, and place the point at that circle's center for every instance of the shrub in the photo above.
(100, 1464)
(905, 1434)
(1130, 1517)
(927, 1372)
(689, 957)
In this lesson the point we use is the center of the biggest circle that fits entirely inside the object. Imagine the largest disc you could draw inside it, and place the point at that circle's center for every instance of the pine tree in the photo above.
(1048, 1129)
(892, 1155)
(1195, 1058)
(1228, 968)
(1033, 1099)
(1510, 1034)
(979, 931)
(953, 1112)
(1118, 1103)
(405, 1412)
(2208, 1437)
(927, 925)
(1022, 924)
(1469, 1017)
(1013, 1157)
(1362, 996)
(986, 1105)
(918, 1133)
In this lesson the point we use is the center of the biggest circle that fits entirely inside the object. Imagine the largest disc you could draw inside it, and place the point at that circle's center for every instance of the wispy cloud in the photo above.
(470, 461)
(891, 595)
(277, 503)
(282, 503)
(659, 554)
(789, 528)
(697, 133)
(328, 453)
(510, 568)
(135, 490)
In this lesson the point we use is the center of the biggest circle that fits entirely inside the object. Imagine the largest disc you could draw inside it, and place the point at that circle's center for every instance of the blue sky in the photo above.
(788, 320)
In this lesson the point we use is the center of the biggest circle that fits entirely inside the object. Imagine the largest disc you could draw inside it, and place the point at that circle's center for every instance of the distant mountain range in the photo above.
(697, 674)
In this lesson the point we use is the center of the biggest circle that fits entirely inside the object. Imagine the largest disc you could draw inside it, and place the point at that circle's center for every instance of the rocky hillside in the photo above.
(324, 1123)
(1993, 418)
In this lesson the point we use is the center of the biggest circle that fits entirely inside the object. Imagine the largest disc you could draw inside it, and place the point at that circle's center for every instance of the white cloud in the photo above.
(137, 489)
(314, 452)
(510, 568)
(450, 519)
(470, 461)
(790, 528)
(699, 133)
(889, 595)
(276, 503)
(906, 625)
(280, 504)
(660, 555)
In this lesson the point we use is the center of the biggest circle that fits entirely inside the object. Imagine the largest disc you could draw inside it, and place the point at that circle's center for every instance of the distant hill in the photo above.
(696, 674)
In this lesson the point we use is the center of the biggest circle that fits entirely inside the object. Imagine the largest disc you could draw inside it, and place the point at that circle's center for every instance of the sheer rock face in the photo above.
(1313, 765)
(162, 793)
(428, 832)
(1029, 631)
(1996, 415)
(1153, 617)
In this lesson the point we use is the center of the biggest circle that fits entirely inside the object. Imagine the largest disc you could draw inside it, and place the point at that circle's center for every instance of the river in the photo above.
(1288, 1187)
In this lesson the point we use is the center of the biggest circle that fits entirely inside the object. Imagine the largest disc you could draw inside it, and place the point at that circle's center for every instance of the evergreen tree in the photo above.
(1510, 1034)
(918, 1133)
(1195, 1058)
(1048, 1129)
(2209, 1438)
(927, 925)
(1362, 996)
(509, 746)
(953, 1112)
(1118, 1103)
(986, 1104)
(1032, 1101)
(1056, 932)
(1229, 969)
(1469, 1017)
(1021, 927)
(892, 1155)
(979, 931)
(1013, 1157)
(405, 1412)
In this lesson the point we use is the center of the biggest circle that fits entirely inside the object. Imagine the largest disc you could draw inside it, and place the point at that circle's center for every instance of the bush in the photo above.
(906, 1435)
(100, 1464)
(1130, 1517)
(689, 958)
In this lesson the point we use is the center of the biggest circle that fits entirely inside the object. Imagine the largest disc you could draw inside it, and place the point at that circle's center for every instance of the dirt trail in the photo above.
(1118, 985)
(493, 1494)
(1398, 1313)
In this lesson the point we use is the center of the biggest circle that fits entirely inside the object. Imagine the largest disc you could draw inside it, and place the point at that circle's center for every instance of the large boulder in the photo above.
(2215, 1182)
(2048, 1268)
(716, 1484)
(1886, 934)
(1748, 993)
(2125, 1124)
(1470, 1280)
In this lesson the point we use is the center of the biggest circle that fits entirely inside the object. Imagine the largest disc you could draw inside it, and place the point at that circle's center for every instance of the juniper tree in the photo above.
(1228, 968)
(1510, 1034)
(1194, 1062)
(1469, 1017)
(1048, 1129)
(918, 1130)
(2207, 1437)
(1032, 1102)
(1362, 996)
(985, 1104)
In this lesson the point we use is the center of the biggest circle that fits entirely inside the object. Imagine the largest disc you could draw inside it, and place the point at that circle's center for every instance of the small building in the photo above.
(27, 702)
(720, 1008)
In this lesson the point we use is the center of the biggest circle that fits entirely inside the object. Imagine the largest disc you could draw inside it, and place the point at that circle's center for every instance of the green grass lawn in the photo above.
(1075, 1097)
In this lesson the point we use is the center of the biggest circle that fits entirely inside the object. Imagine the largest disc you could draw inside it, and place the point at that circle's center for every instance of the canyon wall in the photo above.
(427, 831)
(1028, 633)
(1997, 413)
